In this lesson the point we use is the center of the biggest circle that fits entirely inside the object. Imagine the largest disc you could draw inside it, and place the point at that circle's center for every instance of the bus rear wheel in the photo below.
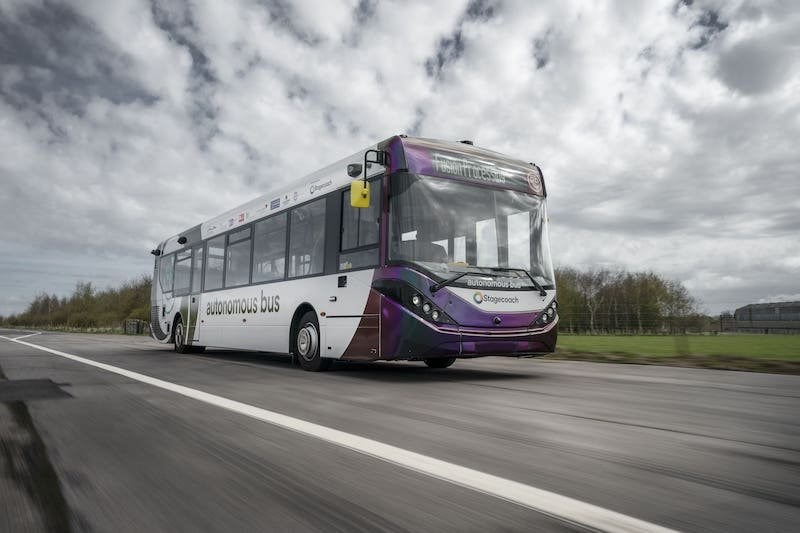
(306, 344)
(439, 362)
(179, 337)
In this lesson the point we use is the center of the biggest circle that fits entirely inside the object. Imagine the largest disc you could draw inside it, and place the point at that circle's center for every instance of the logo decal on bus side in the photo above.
(317, 186)
(535, 183)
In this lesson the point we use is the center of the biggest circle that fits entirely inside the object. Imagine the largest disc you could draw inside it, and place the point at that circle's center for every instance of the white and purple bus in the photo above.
(412, 249)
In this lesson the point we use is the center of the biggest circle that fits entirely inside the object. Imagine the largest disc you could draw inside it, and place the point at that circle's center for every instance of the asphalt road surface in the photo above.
(84, 448)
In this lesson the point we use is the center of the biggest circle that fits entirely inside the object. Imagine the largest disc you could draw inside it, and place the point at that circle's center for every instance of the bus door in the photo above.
(353, 325)
(192, 315)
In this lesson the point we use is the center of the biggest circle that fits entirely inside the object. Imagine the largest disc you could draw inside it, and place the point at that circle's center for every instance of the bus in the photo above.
(411, 249)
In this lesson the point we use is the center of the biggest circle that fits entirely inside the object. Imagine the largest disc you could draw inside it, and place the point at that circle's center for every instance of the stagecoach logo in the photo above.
(480, 298)
(317, 186)
(535, 182)
(234, 306)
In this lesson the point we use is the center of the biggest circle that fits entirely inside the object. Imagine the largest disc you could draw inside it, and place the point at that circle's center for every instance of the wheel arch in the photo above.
(302, 309)
(172, 327)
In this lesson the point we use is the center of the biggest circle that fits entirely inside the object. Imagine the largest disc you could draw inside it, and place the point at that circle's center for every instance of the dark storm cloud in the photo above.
(711, 25)
(541, 50)
(282, 15)
(757, 65)
(50, 53)
(451, 48)
(176, 20)
(448, 51)
(364, 11)
(481, 10)
(416, 126)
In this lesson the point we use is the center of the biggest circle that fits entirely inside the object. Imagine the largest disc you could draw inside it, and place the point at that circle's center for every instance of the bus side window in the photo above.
(166, 271)
(183, 272)
(215, 262)
(269, 248)
(360, 229)
(197, 270)
(237, 268)
(307, 239)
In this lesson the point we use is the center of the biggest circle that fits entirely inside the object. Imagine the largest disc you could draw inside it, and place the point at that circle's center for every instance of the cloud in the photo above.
(666, 130)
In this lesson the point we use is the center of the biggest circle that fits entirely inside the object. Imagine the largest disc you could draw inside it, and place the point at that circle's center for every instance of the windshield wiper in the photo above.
(448, 281)
(536, 284)
(460, 275)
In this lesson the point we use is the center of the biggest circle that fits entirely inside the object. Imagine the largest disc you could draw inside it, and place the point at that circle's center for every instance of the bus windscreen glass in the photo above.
(448, 227)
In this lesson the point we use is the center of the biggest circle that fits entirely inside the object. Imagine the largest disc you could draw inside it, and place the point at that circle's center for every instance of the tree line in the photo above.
(590, 301)
(616, 301)
(87, 307)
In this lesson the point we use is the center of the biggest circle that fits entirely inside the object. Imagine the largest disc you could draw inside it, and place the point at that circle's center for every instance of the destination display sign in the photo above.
(475, 166)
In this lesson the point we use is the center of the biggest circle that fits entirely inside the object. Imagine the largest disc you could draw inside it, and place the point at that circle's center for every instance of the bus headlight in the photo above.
(546, 316)
(412, 300)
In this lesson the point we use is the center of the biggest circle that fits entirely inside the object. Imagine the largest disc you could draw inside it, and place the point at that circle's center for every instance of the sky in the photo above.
(668, 132)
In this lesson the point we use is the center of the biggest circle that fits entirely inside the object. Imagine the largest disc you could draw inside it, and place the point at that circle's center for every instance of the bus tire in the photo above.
(306, 344)
(439, 362)
(179, 337)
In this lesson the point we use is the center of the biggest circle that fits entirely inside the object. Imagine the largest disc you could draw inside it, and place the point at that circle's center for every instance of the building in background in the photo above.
(775, 317)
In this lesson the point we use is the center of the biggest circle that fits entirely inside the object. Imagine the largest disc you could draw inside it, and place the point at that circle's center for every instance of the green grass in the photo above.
(774, 347)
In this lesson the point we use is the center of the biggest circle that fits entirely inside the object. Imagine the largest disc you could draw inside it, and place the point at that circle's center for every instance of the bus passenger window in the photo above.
(215, 261)
(269, 249)
(183, 272)
(237, 268)
(307, 239)
(197, 270)
(360, 229)
(165, 272)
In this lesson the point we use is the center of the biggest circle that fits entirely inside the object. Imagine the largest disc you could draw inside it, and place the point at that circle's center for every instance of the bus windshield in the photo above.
(496, 237)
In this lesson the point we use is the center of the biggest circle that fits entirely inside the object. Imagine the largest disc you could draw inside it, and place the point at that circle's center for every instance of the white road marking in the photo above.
(26, 336)
(549, 503)
(29, 334)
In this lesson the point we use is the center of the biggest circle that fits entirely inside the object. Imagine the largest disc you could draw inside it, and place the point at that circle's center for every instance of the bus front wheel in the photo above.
(439, 362)
(306, 344)
(179, 337)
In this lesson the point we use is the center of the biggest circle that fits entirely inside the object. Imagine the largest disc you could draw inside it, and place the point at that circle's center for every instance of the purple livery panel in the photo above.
(401, 334)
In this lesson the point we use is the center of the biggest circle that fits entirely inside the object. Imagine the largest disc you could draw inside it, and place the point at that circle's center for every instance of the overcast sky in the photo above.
(668, 132)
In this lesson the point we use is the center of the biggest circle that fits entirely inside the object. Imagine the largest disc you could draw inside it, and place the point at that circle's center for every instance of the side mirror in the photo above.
(359, 194)
(354, 170)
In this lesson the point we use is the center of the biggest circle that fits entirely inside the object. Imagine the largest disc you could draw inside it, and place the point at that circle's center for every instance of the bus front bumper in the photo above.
(406, 336)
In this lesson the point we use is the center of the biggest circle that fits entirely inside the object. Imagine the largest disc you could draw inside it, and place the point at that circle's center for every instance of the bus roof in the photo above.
(455, 160)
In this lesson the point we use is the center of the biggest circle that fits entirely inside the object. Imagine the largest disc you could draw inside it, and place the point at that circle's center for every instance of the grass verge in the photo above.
(754, 353)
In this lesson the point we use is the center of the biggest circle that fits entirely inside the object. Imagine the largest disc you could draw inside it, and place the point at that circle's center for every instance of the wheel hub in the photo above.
(307, 342)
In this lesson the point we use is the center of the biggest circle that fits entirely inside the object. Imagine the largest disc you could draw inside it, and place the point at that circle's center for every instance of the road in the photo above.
(88, 449)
